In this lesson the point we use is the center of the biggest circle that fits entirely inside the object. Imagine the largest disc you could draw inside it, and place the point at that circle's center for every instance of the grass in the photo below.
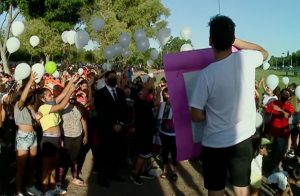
(280, 73)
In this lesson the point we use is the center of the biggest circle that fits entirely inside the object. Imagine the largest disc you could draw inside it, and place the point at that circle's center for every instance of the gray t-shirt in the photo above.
(23, 116)
(72, 126)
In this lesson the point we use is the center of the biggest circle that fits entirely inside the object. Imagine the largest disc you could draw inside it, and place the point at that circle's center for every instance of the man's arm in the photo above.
(241, 44)
(197, 115)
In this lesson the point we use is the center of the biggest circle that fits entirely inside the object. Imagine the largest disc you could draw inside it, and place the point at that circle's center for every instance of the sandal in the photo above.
(163, 175)
(78, 182)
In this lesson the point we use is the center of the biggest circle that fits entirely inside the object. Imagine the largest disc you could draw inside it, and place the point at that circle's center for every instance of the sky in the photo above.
(272, 24)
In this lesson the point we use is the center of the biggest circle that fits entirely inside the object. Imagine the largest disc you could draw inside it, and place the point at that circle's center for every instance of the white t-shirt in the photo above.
(267, 99)
(256, 165)
(225, 90)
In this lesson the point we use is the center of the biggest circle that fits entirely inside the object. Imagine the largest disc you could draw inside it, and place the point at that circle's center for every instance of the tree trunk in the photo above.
(47, 58)
(4, 61)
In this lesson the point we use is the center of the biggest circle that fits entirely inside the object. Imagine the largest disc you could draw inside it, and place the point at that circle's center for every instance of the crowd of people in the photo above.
(56, 121)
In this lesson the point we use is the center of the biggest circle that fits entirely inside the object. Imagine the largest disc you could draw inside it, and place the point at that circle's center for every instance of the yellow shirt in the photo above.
(49, 119)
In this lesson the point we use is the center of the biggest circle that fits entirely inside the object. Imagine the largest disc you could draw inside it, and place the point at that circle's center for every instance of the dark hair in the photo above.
(221, 32)
(163, 79)
(109, 72)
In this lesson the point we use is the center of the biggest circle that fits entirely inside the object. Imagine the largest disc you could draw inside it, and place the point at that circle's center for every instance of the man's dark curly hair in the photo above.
(221, 31)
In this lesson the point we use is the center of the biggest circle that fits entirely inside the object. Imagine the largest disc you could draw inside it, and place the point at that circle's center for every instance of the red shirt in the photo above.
(279, 124)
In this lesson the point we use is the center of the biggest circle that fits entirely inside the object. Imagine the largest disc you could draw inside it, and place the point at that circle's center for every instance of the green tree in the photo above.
(58, 15)
(125, 16)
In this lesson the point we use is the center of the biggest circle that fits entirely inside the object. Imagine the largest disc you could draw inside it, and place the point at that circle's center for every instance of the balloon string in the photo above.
(15, 82)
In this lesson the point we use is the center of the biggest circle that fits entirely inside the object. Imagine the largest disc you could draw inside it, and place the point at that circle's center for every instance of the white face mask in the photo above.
(100, 83)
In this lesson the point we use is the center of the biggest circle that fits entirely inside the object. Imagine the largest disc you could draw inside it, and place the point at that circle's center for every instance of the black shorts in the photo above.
(50, 146)
(236, 160)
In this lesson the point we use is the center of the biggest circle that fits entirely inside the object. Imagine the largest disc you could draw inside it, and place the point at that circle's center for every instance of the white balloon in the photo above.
(109, 52)
(17, 28)
(80, 71)
(34, 41)
(186, 33)
(266, 65)
(125, 53)
(124, 39)
(106, 66)
(71, 37)
(186, 47)
(297, 91)
(55, 74)
(97, 24)
(100, 83)
(64, 36)
(117, 49)
(139, 35)
(259, 120)
(154, 54)
(272, 81)
(285, 80)
(163, 35)
(39, 69)
(143, 44)
(151, 75)
(81, 39)
(150, 62)
(13, 44)
(22, 71)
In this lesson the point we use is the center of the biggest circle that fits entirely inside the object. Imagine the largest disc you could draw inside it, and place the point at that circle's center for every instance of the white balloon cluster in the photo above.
(163, 36)
(79, 38)
(120, 48)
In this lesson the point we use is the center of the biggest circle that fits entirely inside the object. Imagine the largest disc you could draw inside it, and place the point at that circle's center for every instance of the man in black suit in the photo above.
(110, 105)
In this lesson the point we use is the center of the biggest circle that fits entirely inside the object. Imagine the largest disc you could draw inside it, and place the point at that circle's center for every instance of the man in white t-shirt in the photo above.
(224, 96)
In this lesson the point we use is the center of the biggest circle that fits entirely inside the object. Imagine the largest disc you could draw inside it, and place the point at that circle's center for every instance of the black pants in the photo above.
(111, 154)
(168, 146)
(73, 146)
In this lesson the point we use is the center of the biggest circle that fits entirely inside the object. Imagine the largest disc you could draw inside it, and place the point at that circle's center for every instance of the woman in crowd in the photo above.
(145, 129)
(26, 138)
(75, 134)
(51, 141)
(167, 135)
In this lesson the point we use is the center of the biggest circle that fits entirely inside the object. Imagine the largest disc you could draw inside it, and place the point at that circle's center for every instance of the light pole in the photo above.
(283, 60)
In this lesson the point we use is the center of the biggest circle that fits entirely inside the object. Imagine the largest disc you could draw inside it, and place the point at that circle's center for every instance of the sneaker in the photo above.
(146, 175)
(58, 191)
(136, 179)
(290, 154)
(33, 191)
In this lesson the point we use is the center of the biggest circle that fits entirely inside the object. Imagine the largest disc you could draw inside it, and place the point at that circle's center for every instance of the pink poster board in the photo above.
(176, 65)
